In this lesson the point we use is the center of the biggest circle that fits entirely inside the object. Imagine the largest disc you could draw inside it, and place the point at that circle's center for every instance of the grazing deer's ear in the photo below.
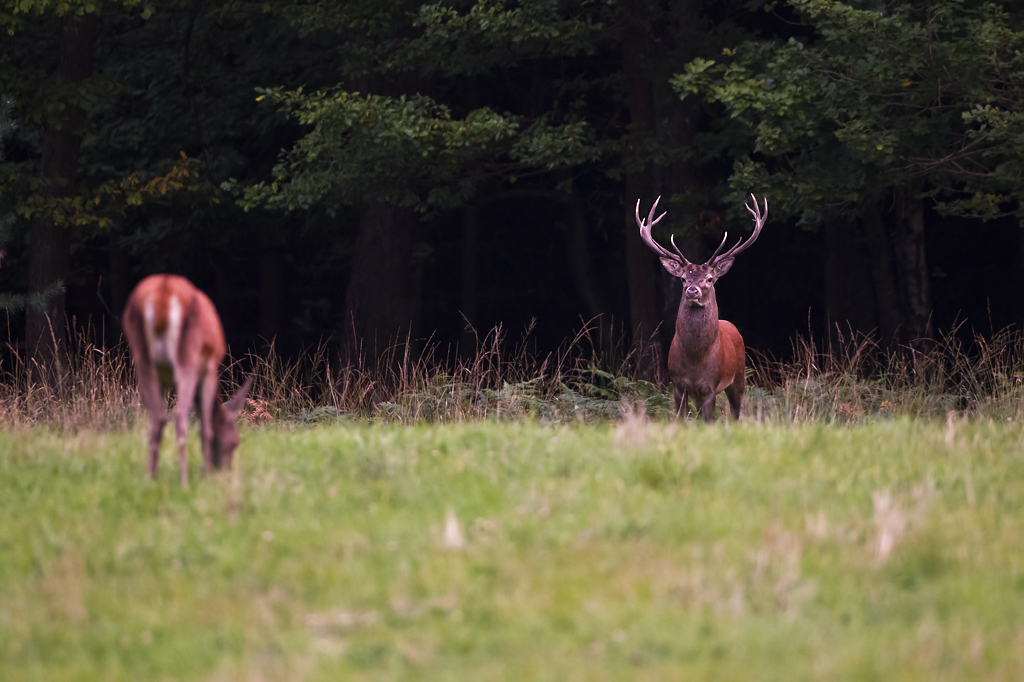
(674, 267)
(234, 406)
(722, 267)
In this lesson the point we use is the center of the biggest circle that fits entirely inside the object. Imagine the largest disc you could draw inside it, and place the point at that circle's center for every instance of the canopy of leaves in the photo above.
(19, 14)
(898, 94)
(436, 101)
(407, 150)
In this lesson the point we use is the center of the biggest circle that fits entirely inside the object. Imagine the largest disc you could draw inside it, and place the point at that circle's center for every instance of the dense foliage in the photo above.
(910, 95)
(376, 171)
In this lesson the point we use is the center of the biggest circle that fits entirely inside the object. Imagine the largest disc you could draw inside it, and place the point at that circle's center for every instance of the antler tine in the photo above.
(651, 220)
(759, 221)
(672, 238)
(756, 212)
(724, 237)
(645, 232)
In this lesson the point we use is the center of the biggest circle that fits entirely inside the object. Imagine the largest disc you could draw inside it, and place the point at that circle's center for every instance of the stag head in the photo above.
(698, 280)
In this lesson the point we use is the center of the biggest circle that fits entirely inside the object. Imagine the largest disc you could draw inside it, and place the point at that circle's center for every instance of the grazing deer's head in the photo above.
(698, 280)
(225, 432)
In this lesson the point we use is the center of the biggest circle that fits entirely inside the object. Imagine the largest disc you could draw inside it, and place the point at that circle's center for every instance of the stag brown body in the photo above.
(176, 339)
(707, 355)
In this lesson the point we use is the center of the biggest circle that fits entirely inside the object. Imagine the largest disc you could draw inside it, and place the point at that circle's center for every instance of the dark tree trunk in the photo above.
(581, 267)
(382, 300)
(45, 327)
(912, 268)
(580, 262)
(49, 256)
(467, 340)
(640, 261)
(643, 293)
(849, 291)
(118, 276)
(270, 293)
(883, 274)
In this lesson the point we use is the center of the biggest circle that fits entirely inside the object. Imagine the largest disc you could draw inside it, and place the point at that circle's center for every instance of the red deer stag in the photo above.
(176, 339)
(707, 354)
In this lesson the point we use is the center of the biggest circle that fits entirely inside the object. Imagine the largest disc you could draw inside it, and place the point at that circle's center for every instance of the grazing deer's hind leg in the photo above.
(153, 399)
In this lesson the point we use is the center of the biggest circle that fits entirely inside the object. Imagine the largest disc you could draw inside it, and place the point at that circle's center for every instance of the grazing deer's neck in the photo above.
(697, 328)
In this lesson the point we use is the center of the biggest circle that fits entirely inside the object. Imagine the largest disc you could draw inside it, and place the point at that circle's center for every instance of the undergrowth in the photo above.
(849, 379)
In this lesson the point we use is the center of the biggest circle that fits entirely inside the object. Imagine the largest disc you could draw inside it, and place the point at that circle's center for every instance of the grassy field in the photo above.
(888, 550)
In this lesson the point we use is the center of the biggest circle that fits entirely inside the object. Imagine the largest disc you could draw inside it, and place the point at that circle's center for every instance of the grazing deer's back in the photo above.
(176, 318)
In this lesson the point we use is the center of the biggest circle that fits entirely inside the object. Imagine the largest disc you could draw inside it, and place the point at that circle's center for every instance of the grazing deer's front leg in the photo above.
(186, 382)
(207, 395)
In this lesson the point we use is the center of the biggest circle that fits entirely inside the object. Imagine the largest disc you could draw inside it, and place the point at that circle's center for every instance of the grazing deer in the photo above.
(707, 354)
(176, 338)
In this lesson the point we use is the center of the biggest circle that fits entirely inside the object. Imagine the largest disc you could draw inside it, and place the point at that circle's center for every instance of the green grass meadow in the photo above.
(636, 550)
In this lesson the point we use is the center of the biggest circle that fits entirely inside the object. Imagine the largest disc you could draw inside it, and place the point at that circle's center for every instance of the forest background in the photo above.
(378, 171)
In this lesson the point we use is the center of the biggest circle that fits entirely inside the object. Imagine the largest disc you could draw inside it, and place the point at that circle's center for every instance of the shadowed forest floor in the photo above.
(624, 550)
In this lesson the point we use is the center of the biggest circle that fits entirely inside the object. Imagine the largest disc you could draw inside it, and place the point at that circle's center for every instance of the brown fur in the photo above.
(161, 301)
(192, 366)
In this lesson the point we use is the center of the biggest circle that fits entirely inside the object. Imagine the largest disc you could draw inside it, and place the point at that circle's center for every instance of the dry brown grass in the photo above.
(853, 378)
(96, 389)
(500, 380)
(847, 380)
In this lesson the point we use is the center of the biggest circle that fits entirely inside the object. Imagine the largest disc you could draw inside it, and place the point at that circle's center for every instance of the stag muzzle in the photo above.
(692, 293)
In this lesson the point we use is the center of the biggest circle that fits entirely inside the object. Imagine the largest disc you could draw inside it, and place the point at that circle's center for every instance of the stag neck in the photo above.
(697, 326)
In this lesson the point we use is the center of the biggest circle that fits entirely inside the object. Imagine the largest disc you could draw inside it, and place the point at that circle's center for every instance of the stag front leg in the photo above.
(707, 407)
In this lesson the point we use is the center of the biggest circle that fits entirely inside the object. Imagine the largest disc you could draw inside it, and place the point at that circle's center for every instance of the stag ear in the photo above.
(234, 406)
(674, 267)
(722, 267)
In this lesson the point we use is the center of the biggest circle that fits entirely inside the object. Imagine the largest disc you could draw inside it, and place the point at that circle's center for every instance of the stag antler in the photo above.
(741, 245)
(645, 234)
